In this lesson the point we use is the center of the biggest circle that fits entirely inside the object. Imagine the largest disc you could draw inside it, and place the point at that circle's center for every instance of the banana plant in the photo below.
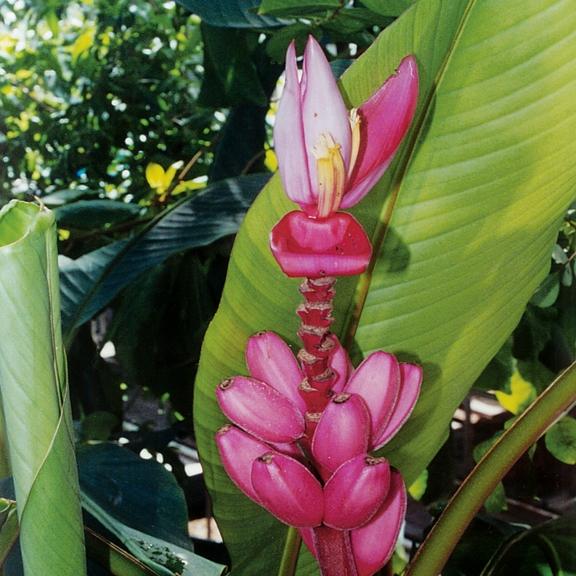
(462, 227)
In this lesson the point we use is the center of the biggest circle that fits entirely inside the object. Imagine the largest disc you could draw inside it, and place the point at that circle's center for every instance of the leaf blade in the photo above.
(91, 281)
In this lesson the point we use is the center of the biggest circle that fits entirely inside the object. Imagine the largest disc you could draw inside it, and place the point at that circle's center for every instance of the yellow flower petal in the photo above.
(155, 175)
(171, 172)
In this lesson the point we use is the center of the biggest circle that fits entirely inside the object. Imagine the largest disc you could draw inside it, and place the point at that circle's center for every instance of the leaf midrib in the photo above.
(354, 313)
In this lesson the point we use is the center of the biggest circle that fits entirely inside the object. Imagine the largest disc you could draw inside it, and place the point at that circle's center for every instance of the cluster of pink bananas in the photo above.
(304, 427)
(320, 475)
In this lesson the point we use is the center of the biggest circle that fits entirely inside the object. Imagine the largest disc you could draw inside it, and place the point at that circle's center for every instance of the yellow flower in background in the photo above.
(160, 180)
(270, 160)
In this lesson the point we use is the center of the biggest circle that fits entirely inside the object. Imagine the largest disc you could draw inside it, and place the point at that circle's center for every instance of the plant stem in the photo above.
(290, 553)
(317, 340)
(334, 552)
(533, 423)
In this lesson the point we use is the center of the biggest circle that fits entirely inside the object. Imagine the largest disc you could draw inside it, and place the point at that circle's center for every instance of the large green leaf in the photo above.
(35, 395)
(93, 280)
(463, 225)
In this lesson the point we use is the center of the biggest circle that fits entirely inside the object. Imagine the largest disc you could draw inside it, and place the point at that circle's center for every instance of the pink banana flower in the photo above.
(320, 478)
(329, 159)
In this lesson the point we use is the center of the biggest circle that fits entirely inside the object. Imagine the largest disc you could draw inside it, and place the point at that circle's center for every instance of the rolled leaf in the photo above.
(35, 394)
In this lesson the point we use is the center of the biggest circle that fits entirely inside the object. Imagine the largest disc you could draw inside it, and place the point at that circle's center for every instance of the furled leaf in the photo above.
(35, 394)
(472, 203)
(91, 281)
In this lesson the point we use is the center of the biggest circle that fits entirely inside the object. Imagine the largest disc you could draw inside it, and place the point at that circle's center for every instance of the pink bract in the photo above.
(313, 124)
(333, 246)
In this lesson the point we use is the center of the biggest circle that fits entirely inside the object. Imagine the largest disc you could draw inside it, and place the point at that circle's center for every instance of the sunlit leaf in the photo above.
(418, 488)
(82, 44)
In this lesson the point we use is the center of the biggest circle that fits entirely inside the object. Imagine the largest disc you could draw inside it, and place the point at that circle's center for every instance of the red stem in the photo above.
(318, 342)
(334, 552)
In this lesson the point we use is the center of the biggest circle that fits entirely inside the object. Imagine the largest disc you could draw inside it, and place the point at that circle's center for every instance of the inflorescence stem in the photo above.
(318, 342)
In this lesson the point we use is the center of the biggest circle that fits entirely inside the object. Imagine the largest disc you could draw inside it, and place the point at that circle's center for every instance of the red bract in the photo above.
(333, 246)
(329, 158)
(323, 478)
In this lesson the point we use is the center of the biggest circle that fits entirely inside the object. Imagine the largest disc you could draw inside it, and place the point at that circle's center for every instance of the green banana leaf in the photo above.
(35, 395)
(463, 226)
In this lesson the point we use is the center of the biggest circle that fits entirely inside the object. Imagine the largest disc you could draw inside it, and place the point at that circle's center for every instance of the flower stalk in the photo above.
(303, 426)
(334, 551)
(318, 344)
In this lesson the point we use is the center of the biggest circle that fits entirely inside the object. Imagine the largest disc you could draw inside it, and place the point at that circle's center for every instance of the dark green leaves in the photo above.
(299, 7)
(546, 550)
(151, 523)
(230, 13)
(90, 214)
(91, 281)
(230, 75)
